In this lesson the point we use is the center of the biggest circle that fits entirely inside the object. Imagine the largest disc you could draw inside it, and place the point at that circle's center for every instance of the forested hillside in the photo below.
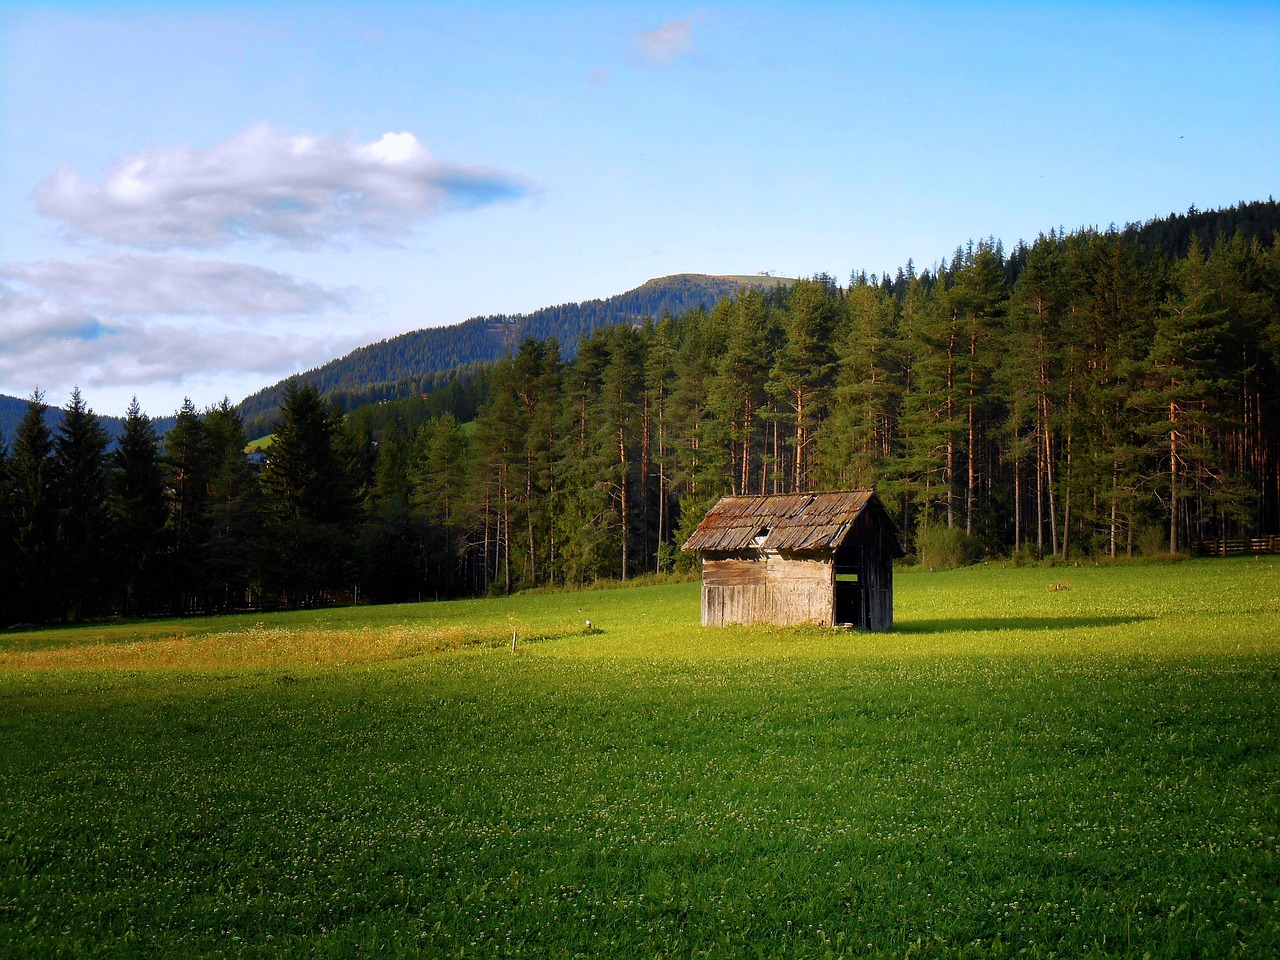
(404, 365)
(12, 410)
(1081, 398)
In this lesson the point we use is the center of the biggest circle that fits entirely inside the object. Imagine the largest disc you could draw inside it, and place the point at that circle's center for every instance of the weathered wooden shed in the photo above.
(819, 558)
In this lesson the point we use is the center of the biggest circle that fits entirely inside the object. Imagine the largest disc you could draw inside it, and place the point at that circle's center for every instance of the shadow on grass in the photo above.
(987, 624)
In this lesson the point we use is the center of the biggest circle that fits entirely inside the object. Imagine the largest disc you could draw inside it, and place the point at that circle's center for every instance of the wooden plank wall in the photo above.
(748, 587)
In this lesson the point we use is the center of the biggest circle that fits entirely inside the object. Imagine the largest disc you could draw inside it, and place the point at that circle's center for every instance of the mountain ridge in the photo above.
(428, 352)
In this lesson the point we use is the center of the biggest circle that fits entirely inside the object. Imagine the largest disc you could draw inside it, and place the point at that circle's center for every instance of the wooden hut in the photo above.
(819, 558)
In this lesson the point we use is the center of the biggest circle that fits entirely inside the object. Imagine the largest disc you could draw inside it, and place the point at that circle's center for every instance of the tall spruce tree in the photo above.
(8, 545)
(701, 470)
(584, 519)
(309, 492)
(978, 300)
(737, 390)
(499, 445)
(137, 507)
(1025, 377)
(535, 379)
(659, 381)
(186, 465)
(232, 509)
(439, 472)
(389, 536)
(1183, 387)
(1093, 452)
(802, 372)
(930, 422)
(616, 440)
(857, 439)
(35, 514)
(80, 470)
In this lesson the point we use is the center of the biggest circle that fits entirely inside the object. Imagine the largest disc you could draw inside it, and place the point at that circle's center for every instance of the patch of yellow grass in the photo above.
(258, 645)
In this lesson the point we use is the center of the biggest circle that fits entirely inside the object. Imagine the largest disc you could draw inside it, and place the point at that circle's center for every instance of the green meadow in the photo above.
(1037, 762)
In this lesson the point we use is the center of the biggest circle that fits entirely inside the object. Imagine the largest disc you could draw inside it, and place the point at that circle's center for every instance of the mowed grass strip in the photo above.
(1061, 762)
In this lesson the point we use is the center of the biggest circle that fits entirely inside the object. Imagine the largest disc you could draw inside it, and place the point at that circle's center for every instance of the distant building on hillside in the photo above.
(816, 558)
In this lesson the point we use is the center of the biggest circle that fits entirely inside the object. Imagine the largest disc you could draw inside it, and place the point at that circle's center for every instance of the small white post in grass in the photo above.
(513, 641)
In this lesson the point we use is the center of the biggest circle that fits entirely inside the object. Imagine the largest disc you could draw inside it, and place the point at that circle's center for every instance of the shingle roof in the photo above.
(796, 521)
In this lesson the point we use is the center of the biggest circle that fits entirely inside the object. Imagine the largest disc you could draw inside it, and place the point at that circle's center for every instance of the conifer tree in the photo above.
(535, 380)
(80, 469)
(700, 473)
(930, 422)
(35, 512)
(857, 439)
(499, 445)
(137, 508)
(388, 537)
(438, 472)
(8, 547)
(802, 372)
(1028, 369)
(659, 381)
(584, 519)
(233, 508)
(978, 301)
(737, 389)
(1183, 386)
(309, 492)
(187, 478)
(616, 438)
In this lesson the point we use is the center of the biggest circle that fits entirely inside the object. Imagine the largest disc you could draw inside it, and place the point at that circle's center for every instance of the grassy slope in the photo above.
(1019, 767)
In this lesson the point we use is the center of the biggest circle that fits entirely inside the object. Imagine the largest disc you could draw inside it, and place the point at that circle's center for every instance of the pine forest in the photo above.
(1087, 397)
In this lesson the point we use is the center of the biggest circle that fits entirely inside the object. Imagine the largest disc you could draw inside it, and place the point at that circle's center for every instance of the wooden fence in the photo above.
(1239, 547)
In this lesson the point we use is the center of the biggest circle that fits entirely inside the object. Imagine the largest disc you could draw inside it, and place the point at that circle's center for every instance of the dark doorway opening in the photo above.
(851, 607)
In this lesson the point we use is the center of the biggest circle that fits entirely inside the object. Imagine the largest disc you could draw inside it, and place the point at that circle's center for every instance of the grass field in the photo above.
(1036, 762)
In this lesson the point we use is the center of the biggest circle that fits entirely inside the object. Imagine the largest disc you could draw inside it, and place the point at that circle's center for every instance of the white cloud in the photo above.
(170, 354)
(132, 285)
(662, 45)
(57, 345)
(118, 321)
(28, 323)
(302, 192)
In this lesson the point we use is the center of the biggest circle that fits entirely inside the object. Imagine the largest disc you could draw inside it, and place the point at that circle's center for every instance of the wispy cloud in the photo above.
(132, 285)
(302, 192)
(56, 344)
(660, 46)
(118, 320)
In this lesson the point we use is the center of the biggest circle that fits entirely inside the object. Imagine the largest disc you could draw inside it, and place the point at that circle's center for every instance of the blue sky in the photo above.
(197, 199)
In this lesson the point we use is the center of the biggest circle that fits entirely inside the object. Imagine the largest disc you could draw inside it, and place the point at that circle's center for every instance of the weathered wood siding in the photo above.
(767, 587)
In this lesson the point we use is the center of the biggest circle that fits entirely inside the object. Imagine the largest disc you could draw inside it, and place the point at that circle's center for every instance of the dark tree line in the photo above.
(187, 524)
(1104, 400)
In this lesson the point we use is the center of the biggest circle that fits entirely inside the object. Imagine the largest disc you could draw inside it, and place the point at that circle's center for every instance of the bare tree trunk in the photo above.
(951, 439)
(1173, 477)
(504, 539)
(622, 482)
(528, 511)
(1053, 507)
(1040, 471)
(971, 489)
(662, 483)
(797, 473)
(485, 572)
(1115, 483)
(1017, 506)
